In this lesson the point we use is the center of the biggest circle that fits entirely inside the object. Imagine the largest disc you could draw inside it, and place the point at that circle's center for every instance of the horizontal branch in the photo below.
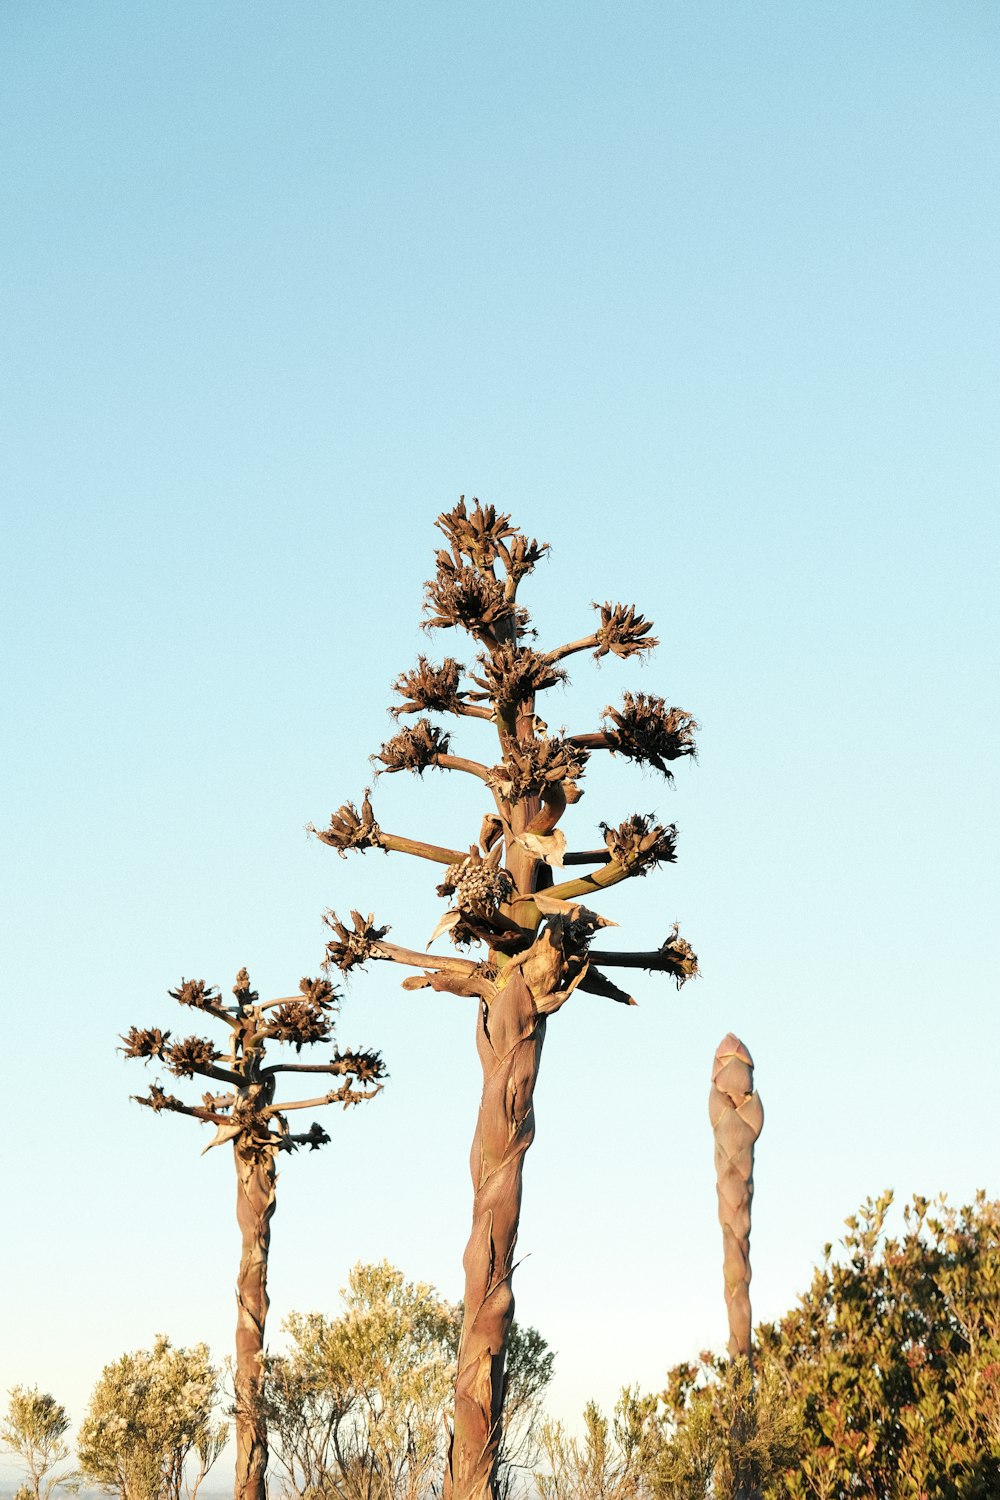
(651, 960)
(435, 852)
(459, 763)
(585, 885)
(345, 1095)
(424, 961)
(583, 644)
(178, 1107)
(595, 740)
(587, 857)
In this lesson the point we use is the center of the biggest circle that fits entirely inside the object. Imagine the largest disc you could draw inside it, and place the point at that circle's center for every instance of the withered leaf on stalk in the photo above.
(640, 844)
(527, 769)
(350, 947)
(414, 749)
(622, 631)
(510, 674)
(645, 729)
(350, 829)
(429, 687)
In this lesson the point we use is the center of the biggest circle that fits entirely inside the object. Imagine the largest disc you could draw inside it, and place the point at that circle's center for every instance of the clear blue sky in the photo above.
(706, 295)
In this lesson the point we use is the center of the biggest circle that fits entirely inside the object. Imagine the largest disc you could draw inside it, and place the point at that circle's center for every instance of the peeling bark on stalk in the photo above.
(255, 1204)
(509, 1037)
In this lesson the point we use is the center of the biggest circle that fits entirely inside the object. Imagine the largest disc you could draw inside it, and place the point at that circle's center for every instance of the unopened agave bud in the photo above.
(645, 729)
(622, 631)
(737, 1118)
(414, 749)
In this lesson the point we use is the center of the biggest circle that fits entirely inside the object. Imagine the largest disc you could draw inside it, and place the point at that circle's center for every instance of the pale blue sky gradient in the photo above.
(707, 296)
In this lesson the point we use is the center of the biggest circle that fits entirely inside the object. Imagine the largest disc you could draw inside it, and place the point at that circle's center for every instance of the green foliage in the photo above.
(34, 1427)
(892, 1359)
(148, 1433)
(357, 1407)
(607, 1464)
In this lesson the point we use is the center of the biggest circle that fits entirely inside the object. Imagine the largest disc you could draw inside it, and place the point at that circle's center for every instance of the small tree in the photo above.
(34, 1427)
(148, 1433)
(535, 937)
(357, 1406)
(248, 1115)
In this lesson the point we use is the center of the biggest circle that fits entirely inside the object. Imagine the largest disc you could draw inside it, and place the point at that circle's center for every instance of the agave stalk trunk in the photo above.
(509, 1041)
(255, 1202)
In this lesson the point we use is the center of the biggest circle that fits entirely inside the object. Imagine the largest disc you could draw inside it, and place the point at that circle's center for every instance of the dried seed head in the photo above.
(414, 749)
(622, 631)
(144, 1043)
(520, 556)
(193, 1055)
(194, 992)
(158, 1099)
(429, 687)
(348, 947)
(527, 769)
(350, 829)
(477, 887)
(510, 674)
(640, 844)
(646, 730)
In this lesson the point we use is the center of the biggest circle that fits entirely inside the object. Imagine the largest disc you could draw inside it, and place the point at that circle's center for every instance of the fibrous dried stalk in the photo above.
(537, 935)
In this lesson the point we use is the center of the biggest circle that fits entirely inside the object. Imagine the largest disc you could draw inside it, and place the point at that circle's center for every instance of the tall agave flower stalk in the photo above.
(247, 1115)
(737, 1117)
(531, 929)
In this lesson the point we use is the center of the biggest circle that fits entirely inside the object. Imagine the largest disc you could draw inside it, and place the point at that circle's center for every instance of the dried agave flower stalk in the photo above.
(737, 1118)
(246, 1114)
(534, 934)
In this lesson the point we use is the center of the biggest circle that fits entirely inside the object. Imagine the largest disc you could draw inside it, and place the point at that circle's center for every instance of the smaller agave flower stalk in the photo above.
(241, 1105)
(737, 1118)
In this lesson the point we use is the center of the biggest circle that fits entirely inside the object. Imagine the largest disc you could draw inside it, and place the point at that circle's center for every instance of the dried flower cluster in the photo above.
(528, 768)
(350, 829)
(623, 631)
(645, 729)
(352, 946)
(414, 749)
(432, 688)
(640, 844)
(510, 674)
